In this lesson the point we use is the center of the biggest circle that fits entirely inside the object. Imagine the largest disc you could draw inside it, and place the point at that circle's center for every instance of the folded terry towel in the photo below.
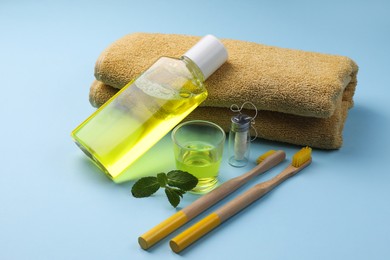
(274, 79)
(303, 97)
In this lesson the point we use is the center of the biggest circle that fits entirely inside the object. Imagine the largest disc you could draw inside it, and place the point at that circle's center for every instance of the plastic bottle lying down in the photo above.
(145, 110)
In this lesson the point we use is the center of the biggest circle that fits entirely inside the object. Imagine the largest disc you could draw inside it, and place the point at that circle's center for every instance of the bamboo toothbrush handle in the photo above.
(178, 219)
(259, 190)
(193, 233)
(207, 224)
(231, 185)
(253, 194)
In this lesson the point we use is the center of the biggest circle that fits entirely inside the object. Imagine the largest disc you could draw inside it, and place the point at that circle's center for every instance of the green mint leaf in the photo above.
(179, 192)
(176, 183)
(182, 180)
(162, 179)
(173, 197)
(145, 187)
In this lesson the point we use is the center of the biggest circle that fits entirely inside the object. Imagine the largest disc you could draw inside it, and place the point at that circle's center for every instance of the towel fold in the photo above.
(302, 97)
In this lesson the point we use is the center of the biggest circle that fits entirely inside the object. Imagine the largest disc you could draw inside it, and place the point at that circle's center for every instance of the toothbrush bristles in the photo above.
(301, 157)
(265, 155)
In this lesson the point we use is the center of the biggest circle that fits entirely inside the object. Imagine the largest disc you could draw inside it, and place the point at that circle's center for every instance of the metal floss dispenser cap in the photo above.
(239, 140)
(241, 122)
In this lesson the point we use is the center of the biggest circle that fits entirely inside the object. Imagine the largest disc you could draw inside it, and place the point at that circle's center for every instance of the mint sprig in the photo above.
(176, 183)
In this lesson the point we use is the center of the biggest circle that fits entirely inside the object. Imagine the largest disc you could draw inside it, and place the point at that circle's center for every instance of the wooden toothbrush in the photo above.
(300, 160)
(265, 162)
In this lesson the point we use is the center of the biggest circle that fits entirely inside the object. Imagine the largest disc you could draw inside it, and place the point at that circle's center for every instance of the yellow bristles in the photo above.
(265, 155)
(301, 157)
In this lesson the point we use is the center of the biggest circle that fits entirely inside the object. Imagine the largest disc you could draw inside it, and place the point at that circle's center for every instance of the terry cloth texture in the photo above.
(302, 97)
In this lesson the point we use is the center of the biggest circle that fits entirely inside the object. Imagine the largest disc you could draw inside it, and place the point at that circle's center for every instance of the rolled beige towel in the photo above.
(303, 97)
(275, 79)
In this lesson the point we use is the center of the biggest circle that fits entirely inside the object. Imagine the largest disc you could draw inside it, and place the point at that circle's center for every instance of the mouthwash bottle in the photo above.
(146, 109)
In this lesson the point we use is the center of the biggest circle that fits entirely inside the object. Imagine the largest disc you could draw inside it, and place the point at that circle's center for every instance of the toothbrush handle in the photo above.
(253, 194)
(231, 185)
(193, 233)
(256, 192)
(210, 222)
(183, 216)
(160, 231)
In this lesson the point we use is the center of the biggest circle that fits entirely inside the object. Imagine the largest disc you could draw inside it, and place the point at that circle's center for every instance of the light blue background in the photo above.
(55, 205)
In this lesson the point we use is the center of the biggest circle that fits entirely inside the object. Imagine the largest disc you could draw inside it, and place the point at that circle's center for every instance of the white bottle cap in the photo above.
(209, 54)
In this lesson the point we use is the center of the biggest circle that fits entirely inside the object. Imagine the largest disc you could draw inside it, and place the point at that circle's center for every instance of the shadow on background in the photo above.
(365, 130)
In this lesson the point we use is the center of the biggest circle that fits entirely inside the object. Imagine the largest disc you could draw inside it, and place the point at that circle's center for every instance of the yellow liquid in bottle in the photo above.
(139, 115)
